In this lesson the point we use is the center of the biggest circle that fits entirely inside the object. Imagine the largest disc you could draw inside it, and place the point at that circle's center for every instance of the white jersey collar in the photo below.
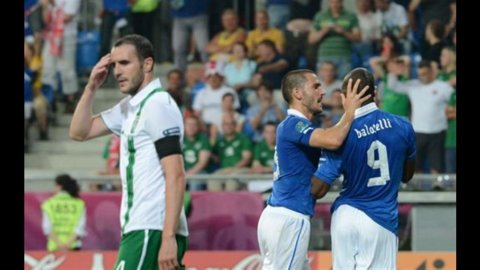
(296, 113)
(136, 99)
(370, 107)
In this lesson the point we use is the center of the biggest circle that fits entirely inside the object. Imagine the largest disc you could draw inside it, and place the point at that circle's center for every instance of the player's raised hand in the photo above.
(99, 73)
(352, 99)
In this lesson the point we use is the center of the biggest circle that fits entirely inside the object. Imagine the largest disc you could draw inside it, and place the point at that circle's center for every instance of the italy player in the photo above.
(284, 226)
(377, 155)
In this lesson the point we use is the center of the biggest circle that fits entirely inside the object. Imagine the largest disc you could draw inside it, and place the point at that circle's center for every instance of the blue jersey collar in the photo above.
(370, 107)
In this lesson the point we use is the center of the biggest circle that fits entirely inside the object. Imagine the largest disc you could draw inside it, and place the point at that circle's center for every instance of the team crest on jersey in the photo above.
(301, 126)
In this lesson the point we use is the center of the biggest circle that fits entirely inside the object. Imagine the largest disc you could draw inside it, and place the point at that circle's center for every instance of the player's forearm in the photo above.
(174, 191)
(332, 138)
(82, 119)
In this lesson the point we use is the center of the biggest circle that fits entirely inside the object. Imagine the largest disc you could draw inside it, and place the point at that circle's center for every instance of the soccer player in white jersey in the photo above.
(377, 155)
(284, 226)
(149, 122)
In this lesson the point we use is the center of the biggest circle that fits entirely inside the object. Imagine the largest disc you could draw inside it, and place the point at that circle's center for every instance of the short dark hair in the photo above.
(269, 43)
(267, 86)
(228, 95)
(366, 78)
(294, 78)
(438, 28)
(142, 45)
(425, 64)
(269, 123)
(175, 70)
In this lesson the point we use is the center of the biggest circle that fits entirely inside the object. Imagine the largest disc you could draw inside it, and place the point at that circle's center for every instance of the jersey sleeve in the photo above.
(329, 167)
(162, 118)
(113, 117)
(299, 131)
(411, 139)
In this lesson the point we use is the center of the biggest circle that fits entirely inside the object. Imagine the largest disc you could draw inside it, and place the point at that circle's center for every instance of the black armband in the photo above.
(168, 146)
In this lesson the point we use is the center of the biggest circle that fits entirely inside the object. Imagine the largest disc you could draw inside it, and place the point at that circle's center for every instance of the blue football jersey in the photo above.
(294, 164)
(371, 160)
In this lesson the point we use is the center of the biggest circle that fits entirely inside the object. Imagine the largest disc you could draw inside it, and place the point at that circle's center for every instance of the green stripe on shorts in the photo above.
(139, 250)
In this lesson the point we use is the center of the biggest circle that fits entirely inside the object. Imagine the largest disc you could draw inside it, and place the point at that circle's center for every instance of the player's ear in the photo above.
(148, 65)
(296, 93)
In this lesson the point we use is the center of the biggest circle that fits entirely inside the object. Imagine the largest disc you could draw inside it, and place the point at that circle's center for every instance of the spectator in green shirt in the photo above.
(265, 150)
(196, 151)
(335, 29)
(234, 153)
(448, 73)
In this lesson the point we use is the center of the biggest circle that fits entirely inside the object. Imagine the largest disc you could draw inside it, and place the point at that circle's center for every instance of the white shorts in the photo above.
(359, 243)
(283, 237)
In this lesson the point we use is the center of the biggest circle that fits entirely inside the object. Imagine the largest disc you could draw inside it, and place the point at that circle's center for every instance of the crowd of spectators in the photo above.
(232, 101)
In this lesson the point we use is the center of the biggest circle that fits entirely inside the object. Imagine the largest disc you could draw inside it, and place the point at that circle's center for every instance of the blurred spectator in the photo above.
(327, 74)
(196, 151)
(448, 73)
(27, 103)
(370, 27)
(393, 19)
(32, 12)
(271, 67)
(335, 29)
(220, 47)
(391, 101)
(143, 17)
(115, 14)
(429, 98)
(443, 10)
(33, 67)
(64, 216)
(234, 153)
(435, 42)
(333, 112)
(60, 46)
(111, 154)
(208, 102)
(264, 31)
(189, 16)
(297, 49)
(239, 73)
(264, 150)
(176, 88)
(216, 128)
(266, 110)
(279, 13)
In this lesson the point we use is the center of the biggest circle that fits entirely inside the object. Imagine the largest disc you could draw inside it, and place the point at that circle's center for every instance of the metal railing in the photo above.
(419, 182)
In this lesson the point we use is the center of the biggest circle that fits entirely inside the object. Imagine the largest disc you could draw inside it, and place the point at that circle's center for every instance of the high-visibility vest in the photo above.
(64, 213)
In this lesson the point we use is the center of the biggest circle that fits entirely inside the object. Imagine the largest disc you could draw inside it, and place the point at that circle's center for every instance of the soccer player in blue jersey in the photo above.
(284, 226)
(377, 155)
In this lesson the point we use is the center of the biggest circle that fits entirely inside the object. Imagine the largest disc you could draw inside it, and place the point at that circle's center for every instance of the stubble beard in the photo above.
(135, 84)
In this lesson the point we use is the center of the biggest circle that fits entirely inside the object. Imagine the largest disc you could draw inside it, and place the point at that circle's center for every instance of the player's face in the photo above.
(127, 68)
(312, 93)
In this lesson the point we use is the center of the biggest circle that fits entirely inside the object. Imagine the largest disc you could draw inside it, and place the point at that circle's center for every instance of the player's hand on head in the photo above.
(99, 73)
(352, 99)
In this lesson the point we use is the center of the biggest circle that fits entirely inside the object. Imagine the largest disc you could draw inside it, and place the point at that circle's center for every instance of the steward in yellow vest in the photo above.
(64, 216)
